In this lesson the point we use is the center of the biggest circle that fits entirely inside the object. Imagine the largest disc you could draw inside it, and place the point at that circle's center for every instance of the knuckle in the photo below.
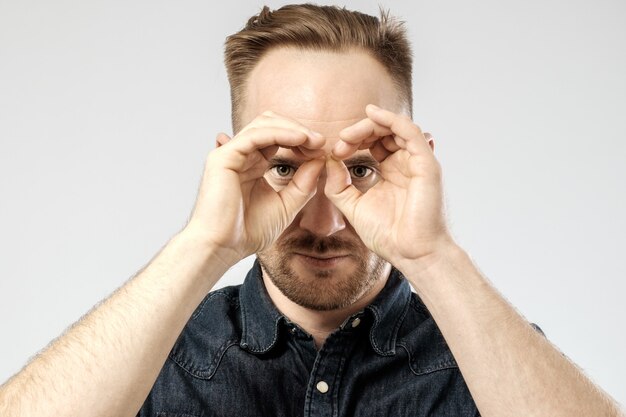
(250, 132)
(407, 119)
(261, 118)
(213, 155)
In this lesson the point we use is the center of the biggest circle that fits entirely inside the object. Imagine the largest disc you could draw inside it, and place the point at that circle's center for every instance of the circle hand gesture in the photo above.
(401, 217)
(237, 212)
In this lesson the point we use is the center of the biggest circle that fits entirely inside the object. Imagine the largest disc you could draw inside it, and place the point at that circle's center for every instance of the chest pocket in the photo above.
(212, 329)
(426, 348)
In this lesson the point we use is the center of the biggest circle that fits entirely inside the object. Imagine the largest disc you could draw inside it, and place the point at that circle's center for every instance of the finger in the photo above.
(401, 126)
(380, 147)
(360, 135)
(365, 130)
(271, 119)
(363, 135)
(391, 144)
(269, 152)
(302, 186)
(380, 152)
(299, 152)
(339, 188)
(311, 153)
(258, 138)
(343, 150)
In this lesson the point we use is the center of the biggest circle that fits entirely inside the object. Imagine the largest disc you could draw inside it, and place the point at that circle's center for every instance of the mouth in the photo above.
(326, 260)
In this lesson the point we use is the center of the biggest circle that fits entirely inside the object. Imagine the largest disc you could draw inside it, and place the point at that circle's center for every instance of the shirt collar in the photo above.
(261, 319)
(259, 316)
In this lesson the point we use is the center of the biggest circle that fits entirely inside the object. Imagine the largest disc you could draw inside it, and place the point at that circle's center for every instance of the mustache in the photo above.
(309, 242)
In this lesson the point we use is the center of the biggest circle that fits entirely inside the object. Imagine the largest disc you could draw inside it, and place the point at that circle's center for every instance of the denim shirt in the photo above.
(238, 356)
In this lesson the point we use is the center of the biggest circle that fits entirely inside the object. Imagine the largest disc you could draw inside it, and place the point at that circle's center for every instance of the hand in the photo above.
(401, 218)
(236, 211)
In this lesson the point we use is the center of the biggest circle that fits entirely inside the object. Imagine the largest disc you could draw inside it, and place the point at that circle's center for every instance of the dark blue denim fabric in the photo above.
(239, 356)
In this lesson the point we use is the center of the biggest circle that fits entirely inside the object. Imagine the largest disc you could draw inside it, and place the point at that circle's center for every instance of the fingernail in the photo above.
(373, 107)
(317, 134)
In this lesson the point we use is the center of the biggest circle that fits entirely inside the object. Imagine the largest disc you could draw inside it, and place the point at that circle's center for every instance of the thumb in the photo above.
(302, 186)
(339, 188)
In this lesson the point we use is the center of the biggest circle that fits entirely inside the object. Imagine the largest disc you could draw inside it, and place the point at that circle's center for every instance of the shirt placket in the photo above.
(328, 370)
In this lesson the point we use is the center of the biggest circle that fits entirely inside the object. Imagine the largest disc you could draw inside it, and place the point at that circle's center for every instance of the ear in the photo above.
(431, 140)
(222, 139)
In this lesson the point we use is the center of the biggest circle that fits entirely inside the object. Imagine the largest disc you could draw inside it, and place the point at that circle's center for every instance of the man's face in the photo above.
(319, 261)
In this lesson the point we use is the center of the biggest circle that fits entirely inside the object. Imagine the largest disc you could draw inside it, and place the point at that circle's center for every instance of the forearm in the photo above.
(106, 363)
(510, 369)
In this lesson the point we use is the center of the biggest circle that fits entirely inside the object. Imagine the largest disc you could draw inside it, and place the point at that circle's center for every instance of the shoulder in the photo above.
(225, 300)
(214, 326)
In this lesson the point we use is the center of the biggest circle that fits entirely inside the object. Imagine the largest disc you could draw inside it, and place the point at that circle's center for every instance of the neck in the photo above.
(320, 324)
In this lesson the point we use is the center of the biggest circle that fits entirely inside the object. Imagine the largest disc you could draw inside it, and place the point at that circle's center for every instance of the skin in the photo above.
(107, 362)
(301, 89)
(401, 219)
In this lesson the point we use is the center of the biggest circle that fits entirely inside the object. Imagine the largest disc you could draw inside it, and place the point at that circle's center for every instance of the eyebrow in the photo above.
(280, 160)
(367, 160)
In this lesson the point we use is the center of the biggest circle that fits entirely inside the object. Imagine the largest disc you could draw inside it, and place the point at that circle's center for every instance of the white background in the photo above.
(108, 108)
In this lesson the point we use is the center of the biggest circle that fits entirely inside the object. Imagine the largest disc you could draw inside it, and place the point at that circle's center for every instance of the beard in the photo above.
(321, 289)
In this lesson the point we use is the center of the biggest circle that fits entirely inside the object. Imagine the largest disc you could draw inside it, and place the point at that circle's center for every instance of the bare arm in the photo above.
(107, 363)
(510, 369)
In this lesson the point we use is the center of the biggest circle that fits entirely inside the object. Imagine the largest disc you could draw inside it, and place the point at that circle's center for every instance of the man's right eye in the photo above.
(283, 171)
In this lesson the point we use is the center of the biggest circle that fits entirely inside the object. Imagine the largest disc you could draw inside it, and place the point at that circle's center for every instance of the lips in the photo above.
(321, 261)
(325, 256)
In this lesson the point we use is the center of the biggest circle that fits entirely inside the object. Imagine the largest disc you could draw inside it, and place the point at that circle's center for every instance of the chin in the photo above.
(322, 284)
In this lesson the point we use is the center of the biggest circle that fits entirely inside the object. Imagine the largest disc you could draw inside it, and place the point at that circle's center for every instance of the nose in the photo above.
(319, 216)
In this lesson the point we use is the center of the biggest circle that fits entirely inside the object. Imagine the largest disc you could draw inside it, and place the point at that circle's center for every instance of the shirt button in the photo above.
(356, 322)
(293, 330)
(322, 387)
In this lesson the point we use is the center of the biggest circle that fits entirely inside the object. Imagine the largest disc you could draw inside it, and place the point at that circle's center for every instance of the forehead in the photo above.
(323, 90)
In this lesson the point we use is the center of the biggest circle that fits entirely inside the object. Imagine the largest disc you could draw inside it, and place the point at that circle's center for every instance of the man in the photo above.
(338, 192)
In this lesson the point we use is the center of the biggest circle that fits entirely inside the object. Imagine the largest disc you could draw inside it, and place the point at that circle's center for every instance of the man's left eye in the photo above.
(283, 170)
(360, 171)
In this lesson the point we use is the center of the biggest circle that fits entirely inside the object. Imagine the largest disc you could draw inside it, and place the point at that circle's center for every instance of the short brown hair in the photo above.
(308, 26)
